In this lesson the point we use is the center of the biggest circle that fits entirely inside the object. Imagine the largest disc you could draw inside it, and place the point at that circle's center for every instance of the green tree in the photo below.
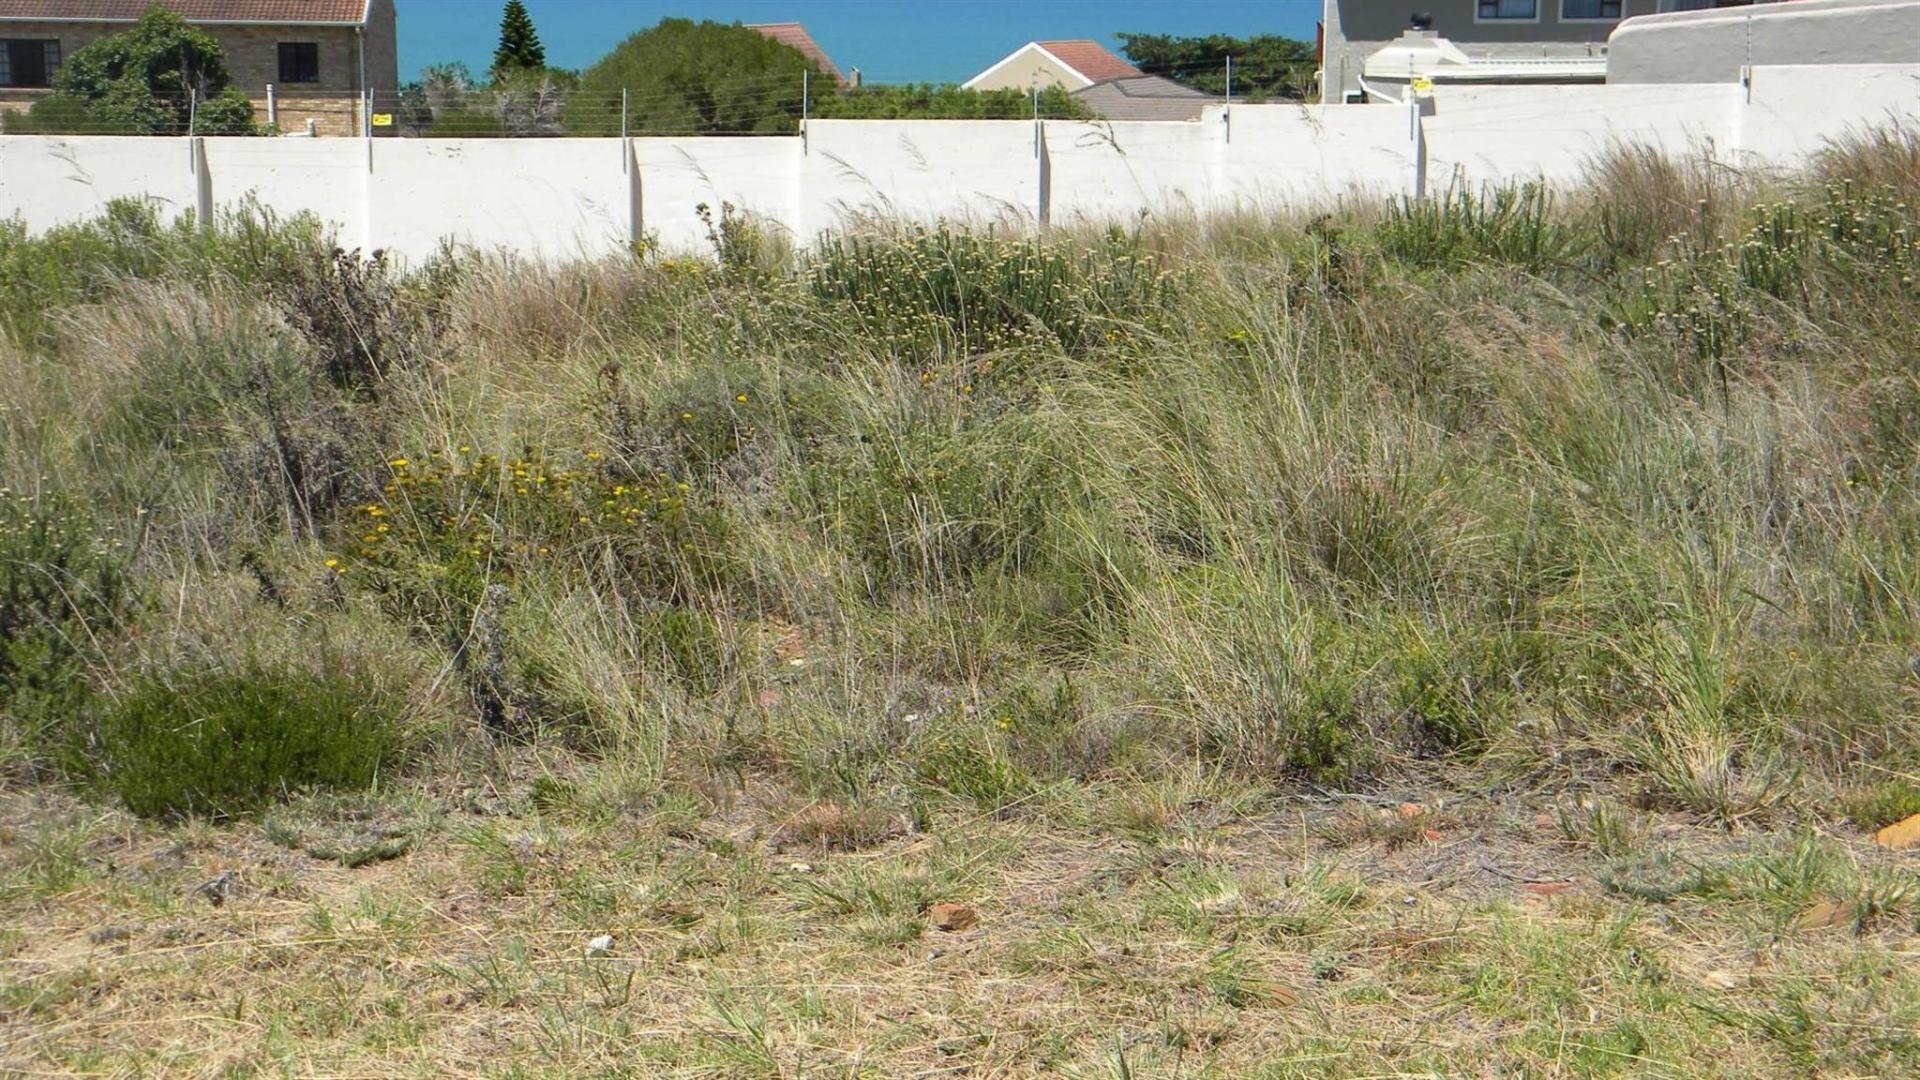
(447, 101)
(930, 102)
(520, 48)
(683, 77)
(147, 80)
(1265, 66)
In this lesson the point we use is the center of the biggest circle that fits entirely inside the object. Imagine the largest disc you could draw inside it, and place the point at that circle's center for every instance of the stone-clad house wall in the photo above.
(252, 57)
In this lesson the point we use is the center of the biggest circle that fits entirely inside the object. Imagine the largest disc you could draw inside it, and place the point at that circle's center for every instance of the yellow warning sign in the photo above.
(383, 119)
(1421, 85)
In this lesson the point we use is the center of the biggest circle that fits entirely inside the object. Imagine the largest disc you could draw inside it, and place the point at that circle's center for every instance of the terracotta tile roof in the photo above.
(238, 11)
(795, 35)
(1090, 59)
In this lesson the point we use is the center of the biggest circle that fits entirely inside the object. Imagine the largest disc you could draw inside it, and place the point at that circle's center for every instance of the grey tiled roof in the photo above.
(1144, 97)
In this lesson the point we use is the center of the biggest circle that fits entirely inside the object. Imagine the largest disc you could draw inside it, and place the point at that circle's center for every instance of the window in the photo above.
(1495, 10)
(28, 61)
(299, 62)
(1578, 10)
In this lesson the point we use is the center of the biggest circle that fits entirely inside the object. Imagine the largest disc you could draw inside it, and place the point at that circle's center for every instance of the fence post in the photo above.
(636, 219)
(806, 95)
(202, 184)
(626, 151)
(1043, 197)
(193, 110)
(1036, 121)
(1418, 135)
(1226, 114)
(273, 107)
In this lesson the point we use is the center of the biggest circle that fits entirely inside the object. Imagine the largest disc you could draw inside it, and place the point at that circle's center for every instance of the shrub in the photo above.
(976, 765)
(352, 311)
(151, 79)
(446, 525)
(1886, 155)
(968, 292)
(929, 101)
(681, 77)
(720, 421)
(82, 262)
(1644, 200)
(63, 589)
(1511, 224)
(921, 502)
(222, 742)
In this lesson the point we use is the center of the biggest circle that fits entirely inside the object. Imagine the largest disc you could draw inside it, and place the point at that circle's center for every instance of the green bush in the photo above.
(155, 78)
(1511, 224)
(968, 292)
(222, 742)
(929, 101)
(681, 78)
(80, 263)
(922, 502)
(63, 589)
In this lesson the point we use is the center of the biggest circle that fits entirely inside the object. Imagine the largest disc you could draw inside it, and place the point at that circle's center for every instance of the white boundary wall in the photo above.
(565, 198)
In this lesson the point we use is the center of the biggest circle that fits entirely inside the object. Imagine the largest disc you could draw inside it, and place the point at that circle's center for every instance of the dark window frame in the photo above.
(49, 62)
(299, 62)
(1489, 11)
(1605, 11)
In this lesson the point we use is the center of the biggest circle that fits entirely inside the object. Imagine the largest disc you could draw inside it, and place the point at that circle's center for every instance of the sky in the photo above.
(888, 40)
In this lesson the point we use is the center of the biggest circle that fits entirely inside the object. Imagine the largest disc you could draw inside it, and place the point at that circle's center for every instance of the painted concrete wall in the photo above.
(564, 198)
(1478, 133)
(1099, 172)
(556, 198)
(54, 180)
(327, 178)
(1712, 46)
(971, 170)
(1287, 154)
(1795, 110)
(675, 176)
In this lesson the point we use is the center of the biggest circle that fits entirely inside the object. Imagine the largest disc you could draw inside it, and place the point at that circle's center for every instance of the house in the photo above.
(795, 36)
(1069, 65)
(1143, 97)
(1108, 86)
(298, 60)
(1713, 45)
(1513, 32)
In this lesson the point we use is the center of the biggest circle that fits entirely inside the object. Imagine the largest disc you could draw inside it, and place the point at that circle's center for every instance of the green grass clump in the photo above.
(955, 291)
(221, 742)
(1510, 224)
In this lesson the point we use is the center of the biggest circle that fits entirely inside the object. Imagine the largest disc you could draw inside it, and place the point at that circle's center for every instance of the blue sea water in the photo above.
(890, 41)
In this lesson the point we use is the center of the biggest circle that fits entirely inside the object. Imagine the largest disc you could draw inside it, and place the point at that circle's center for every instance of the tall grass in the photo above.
(1617, 480)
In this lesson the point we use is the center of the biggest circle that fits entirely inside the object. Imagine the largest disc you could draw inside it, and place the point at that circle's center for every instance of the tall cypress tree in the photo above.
(520, 48)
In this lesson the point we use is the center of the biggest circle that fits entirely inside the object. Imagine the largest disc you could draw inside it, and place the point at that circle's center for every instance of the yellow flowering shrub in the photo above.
(447, 523)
